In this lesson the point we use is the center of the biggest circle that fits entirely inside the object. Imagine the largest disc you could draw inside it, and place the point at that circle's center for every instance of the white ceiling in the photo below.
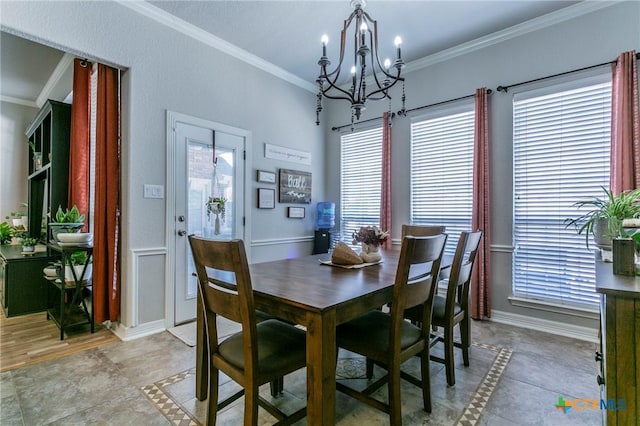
(286, 34)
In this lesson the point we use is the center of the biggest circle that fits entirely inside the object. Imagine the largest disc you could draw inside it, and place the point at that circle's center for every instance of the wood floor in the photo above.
(30, 339)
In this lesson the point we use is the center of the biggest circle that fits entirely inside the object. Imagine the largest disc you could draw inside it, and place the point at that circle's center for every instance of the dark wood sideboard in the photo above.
(23, 288)
(620, 345)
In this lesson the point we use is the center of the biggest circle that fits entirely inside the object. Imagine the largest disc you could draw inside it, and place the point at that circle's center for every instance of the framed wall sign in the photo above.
(266, 177)
(296, 212)
(295, 187)
(266, 198)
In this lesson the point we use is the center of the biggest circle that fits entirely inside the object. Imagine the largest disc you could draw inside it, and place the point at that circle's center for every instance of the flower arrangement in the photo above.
(370, 235)
(216, 205)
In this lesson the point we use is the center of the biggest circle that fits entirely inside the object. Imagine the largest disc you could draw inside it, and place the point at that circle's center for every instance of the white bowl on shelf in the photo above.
(50, 271)
(74, 237)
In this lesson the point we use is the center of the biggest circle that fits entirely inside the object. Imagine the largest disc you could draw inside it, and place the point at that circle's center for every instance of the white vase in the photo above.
(370, 253)
(68, 275)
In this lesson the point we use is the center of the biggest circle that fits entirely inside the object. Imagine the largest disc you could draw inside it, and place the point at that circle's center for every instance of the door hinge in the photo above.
(244, 154)
(244, 221)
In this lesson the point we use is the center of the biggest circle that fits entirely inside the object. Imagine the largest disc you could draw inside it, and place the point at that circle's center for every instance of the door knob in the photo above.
(182, 232)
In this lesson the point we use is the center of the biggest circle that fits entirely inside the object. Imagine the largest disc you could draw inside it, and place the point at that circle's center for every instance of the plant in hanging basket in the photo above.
(216, 206)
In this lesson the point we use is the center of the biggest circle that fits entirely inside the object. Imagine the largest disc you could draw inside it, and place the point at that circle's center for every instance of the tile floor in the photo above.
(102, 386)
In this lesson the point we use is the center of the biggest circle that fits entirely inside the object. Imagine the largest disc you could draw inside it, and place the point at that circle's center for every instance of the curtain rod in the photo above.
(393, 114)
(404, 113)
(505, 88)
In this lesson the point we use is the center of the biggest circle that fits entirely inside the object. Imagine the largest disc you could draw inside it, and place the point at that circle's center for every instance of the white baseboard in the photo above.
(539, 324)
(142, 330)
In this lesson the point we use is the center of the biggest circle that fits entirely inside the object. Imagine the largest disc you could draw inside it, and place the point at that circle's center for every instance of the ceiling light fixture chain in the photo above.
(383, 75)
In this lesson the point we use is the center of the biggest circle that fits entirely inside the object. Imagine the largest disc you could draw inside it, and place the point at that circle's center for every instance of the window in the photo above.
(360, 181)
(442, 171)
(561, 141)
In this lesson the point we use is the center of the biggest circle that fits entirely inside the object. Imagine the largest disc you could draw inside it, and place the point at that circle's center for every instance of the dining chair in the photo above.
(416, 231)
(453, 308)
(261, 352)
(386, 339)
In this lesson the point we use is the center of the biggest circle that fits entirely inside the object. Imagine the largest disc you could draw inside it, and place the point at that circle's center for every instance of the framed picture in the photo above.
(296, 212)
(295, 187)
(266, 198)
(266, 177)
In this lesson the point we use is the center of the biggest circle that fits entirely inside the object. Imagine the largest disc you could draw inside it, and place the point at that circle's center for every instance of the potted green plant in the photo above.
(29, 244)
(216, 206)
(18, 218)
(69, 220)
(6, 233)
(78, 260)
(604, 220)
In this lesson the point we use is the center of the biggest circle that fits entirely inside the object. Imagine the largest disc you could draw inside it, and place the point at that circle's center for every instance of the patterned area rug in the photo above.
(161, 394)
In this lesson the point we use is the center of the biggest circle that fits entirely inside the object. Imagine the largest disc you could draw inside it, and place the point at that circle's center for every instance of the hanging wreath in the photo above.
(216, 205)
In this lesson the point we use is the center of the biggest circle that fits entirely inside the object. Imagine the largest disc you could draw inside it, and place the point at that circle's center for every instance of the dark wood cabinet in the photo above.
(22, 283)
(48, 181)
(620, 345)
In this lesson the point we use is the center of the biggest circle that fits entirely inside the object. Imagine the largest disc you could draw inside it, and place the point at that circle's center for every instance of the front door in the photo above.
(203, 178)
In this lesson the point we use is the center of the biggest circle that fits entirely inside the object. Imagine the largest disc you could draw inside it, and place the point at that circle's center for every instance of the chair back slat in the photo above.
(422, 230)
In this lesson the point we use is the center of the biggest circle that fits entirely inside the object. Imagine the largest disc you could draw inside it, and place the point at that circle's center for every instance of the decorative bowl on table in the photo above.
(74, 237)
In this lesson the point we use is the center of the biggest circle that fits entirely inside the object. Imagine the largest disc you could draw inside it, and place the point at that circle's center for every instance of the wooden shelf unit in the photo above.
(48, 185)
(620, 345)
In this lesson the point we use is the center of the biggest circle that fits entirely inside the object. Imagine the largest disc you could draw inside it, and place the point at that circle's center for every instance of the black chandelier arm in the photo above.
(326, 92)
(384, 89)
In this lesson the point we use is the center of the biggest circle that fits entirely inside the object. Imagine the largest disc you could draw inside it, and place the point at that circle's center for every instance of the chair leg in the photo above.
(213, 396)
(369, 369)
(250, 405)
(448, 355)
(425, 371)
(465, 334)
(277, 387)
(395, 405)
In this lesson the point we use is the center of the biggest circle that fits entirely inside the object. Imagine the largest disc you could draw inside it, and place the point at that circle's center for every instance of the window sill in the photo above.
(541, 305)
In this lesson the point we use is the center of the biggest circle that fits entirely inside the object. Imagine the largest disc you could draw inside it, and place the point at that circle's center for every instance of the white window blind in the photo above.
(360, 181)
(442, 172)
(561, 142)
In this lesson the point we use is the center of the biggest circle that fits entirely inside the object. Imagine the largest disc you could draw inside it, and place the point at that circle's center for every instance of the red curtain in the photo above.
(385, 198)
(625, 125)
(106, 244)
(79, 147)
(481, 214)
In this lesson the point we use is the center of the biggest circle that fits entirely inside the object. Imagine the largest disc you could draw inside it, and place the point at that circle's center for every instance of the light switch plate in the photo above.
(153, 191)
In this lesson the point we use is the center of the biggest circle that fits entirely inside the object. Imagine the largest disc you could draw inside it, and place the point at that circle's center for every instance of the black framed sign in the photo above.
(266, 177)
(266, 198)
(296, 212)
(295, 186)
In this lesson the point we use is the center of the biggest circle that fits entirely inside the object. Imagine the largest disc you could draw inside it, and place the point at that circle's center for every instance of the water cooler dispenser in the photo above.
(325, 221)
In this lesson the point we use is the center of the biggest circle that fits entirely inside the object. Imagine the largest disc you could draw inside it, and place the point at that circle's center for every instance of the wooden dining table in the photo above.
(319, 297)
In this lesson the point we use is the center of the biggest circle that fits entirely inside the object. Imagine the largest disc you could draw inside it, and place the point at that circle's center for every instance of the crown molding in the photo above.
(18, 101)
(171, 21)
(54, 78)
(535, 24)
(146, 9)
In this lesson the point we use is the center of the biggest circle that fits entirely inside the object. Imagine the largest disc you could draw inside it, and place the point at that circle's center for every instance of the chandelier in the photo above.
(365, 59)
